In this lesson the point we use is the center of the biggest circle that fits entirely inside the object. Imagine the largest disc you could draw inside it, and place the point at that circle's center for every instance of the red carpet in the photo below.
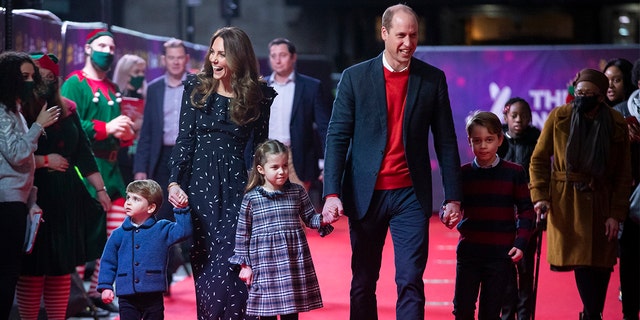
(557, 295)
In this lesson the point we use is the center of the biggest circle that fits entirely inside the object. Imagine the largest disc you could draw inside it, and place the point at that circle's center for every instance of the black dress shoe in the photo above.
(95, 313)
(105, 306)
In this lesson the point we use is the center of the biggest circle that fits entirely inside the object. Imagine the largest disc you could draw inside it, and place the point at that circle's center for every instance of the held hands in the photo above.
(177, 197)
(332, 210)
(47, 117)
(107, 296)
(451, 214)
(515, 254)
(121, 127)
(246, 275)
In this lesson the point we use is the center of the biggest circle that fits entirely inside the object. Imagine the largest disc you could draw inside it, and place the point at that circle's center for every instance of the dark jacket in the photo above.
(357, 135)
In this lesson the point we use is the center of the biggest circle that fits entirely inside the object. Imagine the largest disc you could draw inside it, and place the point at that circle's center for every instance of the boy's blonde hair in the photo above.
(147, 189)
(485, 119)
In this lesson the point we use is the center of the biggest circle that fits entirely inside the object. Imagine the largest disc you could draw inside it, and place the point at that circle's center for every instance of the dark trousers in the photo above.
(396, 210)
(486, 276)
(519, 289)
(630, 270)
(147, 306)
(12, 230)
(592, 283)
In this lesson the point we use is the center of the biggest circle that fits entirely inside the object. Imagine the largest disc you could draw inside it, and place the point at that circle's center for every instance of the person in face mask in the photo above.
(46, 271)
(129, 76)
(98, 104)
(18, 141)
(581, 172)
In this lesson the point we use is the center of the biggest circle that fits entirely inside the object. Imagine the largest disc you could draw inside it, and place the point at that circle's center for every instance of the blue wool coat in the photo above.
(136, 258)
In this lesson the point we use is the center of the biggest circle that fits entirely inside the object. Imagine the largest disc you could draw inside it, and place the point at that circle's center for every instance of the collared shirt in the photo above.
(386, 64)
(493, 164)
(281, 109)
(171, 111)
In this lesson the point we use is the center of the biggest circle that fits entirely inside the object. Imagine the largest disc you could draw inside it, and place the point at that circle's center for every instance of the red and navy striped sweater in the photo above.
(497, 210)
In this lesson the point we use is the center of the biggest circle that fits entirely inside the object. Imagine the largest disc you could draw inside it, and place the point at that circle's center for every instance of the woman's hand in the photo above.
(541, 208)
(611, 229)
(105, 200)
(177, 197)
(57, 162)
(47, 117)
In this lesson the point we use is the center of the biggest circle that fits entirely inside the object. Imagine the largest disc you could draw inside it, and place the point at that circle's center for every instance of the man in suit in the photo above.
(299, 113)
(377, 161)
(161, 114)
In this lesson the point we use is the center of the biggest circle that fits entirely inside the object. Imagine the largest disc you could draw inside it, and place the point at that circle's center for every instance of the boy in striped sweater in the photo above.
(496, 222)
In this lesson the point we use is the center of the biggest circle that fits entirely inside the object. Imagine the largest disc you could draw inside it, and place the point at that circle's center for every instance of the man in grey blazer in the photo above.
(299, 113)
(377, 161)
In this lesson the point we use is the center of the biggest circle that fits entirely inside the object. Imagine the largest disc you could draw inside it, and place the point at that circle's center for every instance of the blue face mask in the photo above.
(102, 60)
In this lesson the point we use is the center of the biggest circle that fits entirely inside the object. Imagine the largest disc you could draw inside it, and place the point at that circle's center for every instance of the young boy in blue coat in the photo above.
(135, 256)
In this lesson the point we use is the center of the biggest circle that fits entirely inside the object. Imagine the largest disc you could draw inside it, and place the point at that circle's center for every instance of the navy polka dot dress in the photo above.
(208, 161)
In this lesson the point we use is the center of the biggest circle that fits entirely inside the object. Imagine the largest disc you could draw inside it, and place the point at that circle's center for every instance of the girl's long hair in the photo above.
(245, 77)
(269, 147)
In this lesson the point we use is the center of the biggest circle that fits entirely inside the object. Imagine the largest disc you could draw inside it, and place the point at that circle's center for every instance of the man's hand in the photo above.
(121, 127)
(332, 210)
(451, 214)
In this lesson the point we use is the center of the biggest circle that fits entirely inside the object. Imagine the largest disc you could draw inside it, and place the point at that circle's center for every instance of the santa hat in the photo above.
(46, 61)
(95, 34)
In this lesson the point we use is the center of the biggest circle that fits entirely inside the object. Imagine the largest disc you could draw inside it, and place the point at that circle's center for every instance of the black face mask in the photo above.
(585, 104)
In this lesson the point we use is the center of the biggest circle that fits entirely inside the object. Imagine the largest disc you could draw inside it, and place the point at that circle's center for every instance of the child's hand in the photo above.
(516, 254)
(107, 296)
(246, 275)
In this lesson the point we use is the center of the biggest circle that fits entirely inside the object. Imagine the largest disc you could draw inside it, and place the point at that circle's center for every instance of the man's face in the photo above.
(176, 60)
(401, 39)
(102, 44)
(282, 62)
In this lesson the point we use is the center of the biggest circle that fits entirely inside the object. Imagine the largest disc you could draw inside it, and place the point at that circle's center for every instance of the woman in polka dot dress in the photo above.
(224, 115)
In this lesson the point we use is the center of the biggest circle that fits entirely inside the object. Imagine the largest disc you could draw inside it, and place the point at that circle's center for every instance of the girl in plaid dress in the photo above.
(271, 246)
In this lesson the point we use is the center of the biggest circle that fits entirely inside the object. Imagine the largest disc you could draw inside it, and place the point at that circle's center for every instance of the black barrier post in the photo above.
(8, 24)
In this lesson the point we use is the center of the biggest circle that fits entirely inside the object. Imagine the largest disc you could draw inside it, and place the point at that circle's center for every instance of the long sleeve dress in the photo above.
(272, 241)
(208, 161)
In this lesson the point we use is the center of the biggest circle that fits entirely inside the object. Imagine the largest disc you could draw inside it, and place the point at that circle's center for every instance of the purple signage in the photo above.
(484, 78)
